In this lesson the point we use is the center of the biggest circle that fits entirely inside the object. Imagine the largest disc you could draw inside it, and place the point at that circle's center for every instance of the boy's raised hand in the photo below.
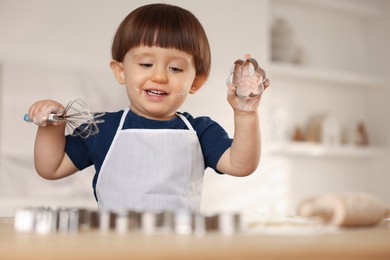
(246, 84)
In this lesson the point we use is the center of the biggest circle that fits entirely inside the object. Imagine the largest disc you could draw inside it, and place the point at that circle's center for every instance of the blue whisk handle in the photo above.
(27, 118)
(52, 118)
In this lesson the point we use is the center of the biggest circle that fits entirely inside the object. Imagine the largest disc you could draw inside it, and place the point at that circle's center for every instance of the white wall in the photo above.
(61, 49)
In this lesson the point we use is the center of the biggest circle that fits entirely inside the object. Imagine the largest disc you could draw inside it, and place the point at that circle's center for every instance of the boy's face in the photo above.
(157, 80)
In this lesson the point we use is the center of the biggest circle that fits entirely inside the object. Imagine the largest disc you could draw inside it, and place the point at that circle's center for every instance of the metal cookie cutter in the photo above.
(244, 81)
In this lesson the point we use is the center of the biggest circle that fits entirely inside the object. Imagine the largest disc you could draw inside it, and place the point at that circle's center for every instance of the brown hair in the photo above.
(165, 26)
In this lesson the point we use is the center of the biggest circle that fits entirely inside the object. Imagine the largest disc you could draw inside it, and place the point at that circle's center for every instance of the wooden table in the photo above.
(357, 243)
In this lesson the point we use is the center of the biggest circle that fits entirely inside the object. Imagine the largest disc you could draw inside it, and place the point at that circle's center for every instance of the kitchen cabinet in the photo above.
(338, 68)
(335, 64)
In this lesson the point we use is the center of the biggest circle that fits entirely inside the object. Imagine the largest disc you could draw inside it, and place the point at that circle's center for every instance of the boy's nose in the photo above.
(159, 75)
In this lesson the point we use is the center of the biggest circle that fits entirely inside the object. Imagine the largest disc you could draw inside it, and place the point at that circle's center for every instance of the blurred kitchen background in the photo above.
(325, 119)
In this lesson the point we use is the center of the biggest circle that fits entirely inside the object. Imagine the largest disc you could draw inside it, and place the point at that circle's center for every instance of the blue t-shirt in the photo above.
(84, 152)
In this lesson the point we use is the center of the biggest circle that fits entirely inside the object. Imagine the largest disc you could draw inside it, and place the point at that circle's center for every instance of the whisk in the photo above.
(79, 120)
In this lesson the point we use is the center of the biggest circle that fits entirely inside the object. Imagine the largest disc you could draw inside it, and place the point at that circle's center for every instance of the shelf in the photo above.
(307, 73)
(318, 150)
(363, 9)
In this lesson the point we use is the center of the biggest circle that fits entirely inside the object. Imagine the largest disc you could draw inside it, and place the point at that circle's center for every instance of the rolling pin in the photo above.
(346, 209)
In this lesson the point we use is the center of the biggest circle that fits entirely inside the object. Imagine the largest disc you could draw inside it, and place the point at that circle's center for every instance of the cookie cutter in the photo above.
(243, 83)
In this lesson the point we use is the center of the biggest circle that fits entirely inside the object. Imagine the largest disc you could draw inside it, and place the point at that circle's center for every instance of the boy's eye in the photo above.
(175, 69)
(146, 65)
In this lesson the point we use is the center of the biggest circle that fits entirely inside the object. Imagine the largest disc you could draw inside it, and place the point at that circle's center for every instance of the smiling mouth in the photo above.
(156, 93)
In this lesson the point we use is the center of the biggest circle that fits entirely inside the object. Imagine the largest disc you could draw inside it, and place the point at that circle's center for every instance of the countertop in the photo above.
(352, 243)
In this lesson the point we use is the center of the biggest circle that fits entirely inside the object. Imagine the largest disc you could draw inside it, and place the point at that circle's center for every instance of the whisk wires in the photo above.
(79, 120)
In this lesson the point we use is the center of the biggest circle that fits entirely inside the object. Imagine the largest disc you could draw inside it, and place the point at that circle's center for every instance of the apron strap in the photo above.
(123, 119)
(185, 120)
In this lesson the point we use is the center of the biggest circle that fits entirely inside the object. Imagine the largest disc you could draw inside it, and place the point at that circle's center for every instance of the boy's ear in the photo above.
(117, 69)
(198, 83)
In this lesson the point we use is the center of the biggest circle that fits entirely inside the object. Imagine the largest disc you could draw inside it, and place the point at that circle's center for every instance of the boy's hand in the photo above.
(40, 110)
(247, 85)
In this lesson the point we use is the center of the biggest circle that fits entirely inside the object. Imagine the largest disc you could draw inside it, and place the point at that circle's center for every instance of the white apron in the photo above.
(169, 177)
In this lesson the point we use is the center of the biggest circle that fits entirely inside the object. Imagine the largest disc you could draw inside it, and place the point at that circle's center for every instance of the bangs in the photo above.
(174, 32)
(163, 28)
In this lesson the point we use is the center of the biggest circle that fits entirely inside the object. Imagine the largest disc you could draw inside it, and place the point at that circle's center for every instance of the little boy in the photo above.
(150, 156)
